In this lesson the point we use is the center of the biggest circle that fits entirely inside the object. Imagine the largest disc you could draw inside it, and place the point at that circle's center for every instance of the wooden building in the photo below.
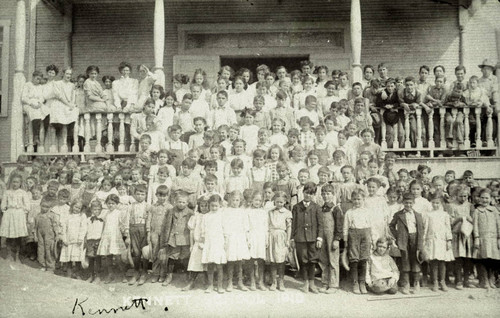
(181, 35)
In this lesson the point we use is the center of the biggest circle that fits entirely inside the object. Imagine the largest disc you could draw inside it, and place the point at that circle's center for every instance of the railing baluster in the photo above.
(86, 147)
(98, 146)
(407, 131)
(489, 130)
(479, 142)
(395, 129)
(383, 130)
(64, 139)
(41, 144)
(121, 146)
(29, 146)
(418, 112)
(430, 133)
(466, 128)
(109, 146)
(52, 139)
(454, 113)
(75, 137)
(498, 133)
(442, 142)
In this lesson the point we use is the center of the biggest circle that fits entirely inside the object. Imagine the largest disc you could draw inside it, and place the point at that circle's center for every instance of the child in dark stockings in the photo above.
(437, 241)
(357, 236)
(212, 241)
(307, 232)
(15, 206)
(95, 224)
(74, 229)
(175, 233)
(486, 239)
(280, 231)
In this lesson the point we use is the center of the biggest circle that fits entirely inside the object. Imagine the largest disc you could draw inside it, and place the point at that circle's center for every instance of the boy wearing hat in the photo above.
(488, 81)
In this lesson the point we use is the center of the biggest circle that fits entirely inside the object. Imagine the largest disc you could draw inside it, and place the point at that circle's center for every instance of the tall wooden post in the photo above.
(357, 72)
(16, 125)
(159, 40)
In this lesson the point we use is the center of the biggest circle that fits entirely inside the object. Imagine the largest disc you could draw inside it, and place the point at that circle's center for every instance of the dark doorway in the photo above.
(291, 63)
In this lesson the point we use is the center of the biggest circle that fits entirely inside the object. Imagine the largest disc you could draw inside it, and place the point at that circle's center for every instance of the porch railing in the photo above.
(426, 142)
(87, 135)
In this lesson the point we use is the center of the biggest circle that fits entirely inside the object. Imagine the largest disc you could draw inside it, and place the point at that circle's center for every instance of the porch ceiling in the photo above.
(464, 3)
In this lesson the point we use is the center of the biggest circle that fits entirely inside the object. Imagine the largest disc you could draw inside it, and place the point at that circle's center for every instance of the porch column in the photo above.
(159, 41)
(357, 72)
(16, 122)
(68, 28)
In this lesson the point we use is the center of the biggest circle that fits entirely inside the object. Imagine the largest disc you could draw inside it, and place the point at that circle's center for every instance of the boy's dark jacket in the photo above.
(307, 223)
(399, 229)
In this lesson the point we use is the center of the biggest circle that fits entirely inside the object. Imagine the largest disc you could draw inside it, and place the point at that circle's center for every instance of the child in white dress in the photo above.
(259, 228)
(236, 237)
(437, 241)
(249, 131)
(280, 231)
(33, 105)
(115, 237)
(237, 180)
(212, 242)
(74, 229)
(15, 206)
(422, 205)
(195, 225)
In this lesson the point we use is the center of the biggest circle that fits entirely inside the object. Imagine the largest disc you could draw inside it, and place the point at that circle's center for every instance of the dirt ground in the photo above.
(25, 291)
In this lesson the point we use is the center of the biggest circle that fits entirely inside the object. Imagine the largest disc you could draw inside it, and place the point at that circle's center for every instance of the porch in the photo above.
(170, 33)
(91, 136)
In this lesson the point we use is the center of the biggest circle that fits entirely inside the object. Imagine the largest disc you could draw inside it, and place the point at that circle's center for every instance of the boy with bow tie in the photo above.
(307, 232)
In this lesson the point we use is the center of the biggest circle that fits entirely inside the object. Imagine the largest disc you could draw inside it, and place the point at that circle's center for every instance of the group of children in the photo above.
(388, 228)
(245, 177)
(276, 107)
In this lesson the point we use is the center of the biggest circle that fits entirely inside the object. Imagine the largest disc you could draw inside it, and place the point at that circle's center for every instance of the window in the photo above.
(4, 66)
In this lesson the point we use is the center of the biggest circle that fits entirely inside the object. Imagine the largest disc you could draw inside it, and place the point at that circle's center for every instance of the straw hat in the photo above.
(487, 63)
(85, 259)
(126, 257)
(146, 252)
(391, 118)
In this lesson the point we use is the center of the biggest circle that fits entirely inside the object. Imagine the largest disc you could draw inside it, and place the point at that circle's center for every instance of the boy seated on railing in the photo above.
(476, 97)
(388, 101)
(435, 98)
(138, 120)
(454, 124)
(411, 100)
(34, 106)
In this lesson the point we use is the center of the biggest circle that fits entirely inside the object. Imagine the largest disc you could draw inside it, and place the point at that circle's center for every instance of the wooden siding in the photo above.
(479, 35)
(105, 35)
(405, 34)
(50, 38)
(408, 34)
